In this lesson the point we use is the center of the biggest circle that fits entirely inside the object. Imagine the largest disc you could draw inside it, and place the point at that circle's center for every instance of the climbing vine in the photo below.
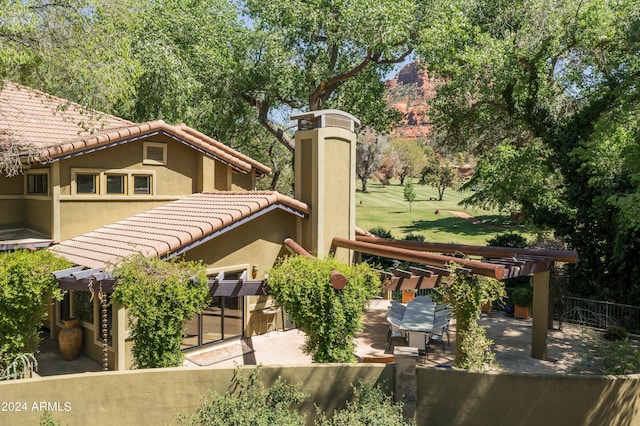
(466, 294)
(160, 296)
(26, 287)
(330, 318)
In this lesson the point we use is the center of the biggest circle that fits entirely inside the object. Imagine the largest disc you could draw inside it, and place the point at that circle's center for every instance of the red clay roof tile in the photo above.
(45, 128)
(172, 227)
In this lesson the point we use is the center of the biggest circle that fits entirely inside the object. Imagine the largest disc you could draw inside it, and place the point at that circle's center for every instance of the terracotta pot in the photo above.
(70, 339)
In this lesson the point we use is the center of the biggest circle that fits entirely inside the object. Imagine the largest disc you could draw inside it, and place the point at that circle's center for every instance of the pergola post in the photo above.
(540, 315)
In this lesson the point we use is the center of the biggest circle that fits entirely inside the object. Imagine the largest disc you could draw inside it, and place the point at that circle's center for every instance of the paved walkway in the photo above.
(512, 347)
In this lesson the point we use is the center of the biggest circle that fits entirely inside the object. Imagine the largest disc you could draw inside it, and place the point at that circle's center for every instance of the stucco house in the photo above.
(95, 188)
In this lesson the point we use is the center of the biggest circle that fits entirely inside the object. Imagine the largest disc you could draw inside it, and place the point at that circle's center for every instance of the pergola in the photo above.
(494, 262)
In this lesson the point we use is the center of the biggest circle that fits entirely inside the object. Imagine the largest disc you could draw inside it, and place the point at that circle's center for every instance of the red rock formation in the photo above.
(410, 92)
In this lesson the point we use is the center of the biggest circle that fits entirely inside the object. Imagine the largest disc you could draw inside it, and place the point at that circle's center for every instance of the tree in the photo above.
(513, 179)
(370, 144)
(389, 168)
(243, 62)
(160, 296)
(409, 193)
(411, 155)
(76, 49)
(438, 173)
(558, 79)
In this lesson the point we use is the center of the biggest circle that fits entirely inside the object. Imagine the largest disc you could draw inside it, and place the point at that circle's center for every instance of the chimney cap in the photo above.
(326, 118)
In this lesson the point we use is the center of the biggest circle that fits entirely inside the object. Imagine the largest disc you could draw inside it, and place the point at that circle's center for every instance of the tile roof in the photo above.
(46, 128)
(34, 120)
(173, 228)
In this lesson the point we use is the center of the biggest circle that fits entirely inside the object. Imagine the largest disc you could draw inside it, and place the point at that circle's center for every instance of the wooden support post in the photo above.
(540, 315)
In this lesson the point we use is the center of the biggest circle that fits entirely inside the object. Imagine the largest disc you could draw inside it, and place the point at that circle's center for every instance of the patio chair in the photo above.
(418, 339)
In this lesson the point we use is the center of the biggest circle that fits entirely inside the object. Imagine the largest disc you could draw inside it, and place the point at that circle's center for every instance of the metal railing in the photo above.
(599, 314)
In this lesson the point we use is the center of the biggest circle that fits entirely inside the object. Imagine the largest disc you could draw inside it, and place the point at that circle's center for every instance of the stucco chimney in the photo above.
(325, 164)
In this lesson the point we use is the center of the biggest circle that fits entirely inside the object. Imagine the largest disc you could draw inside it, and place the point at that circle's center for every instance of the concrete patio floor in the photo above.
(512, 347)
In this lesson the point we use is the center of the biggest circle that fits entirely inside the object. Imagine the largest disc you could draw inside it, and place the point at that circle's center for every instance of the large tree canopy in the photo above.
(76, 49)
(245, 63)
(550, 87)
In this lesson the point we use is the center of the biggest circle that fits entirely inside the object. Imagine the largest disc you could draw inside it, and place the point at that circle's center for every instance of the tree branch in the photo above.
(263, 118)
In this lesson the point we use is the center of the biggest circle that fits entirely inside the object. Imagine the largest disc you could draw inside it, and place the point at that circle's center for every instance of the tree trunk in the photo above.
(274, 180)
(441, 194)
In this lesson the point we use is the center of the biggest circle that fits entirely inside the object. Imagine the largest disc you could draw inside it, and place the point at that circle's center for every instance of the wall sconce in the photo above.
(254, 271)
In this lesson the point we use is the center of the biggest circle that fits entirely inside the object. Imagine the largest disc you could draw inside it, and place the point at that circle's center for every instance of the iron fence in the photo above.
(599, 314)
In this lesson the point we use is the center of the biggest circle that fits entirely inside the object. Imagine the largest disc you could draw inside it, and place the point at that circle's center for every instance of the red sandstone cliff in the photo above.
(410, 92)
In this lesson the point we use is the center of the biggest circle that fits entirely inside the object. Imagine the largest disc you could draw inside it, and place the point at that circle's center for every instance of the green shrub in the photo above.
(600, 356)
(522, 296)
(330, 318)
(160, 296)
(369, 406)
(413, 237)
(615, 333)
(249, 403)
(380, 232)
(508, 240)
(26, 287)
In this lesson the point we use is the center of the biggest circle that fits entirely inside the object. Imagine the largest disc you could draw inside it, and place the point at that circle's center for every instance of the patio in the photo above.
(512, 338)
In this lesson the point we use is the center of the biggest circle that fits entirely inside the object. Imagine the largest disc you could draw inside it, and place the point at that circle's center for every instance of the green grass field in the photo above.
(385, 206)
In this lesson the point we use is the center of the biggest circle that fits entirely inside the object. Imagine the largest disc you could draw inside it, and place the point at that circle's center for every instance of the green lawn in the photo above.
(385, 206)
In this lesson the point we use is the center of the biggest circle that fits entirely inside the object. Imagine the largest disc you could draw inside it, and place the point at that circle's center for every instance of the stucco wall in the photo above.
(11, 212)
(258, 242)
(38, 214)
(445, 397)
(453, 397)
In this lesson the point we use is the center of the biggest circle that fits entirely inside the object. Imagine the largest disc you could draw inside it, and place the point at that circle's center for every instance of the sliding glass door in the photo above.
(221, 320)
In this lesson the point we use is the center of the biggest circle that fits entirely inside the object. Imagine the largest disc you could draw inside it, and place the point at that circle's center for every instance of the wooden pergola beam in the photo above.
(569, 256)
(337, 278)
(482, 268)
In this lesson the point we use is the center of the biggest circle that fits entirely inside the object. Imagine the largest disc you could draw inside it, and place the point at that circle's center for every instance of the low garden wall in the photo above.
(444, 396)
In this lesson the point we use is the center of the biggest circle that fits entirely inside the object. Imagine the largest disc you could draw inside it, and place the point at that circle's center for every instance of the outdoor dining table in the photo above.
(417, 322)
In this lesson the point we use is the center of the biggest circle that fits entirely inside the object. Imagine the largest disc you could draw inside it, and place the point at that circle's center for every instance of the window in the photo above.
(116, 184)
(223, 319)
(113, 183)
(142, 184)
(154, 153)
(37, 184)
(86, 183)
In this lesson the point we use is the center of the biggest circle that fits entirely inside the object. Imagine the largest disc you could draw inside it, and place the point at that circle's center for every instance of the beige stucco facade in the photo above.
(325, 182)
(325, 161)
(63, 213)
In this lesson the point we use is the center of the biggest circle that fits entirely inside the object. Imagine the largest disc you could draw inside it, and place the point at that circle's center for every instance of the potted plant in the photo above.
(522, 298)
